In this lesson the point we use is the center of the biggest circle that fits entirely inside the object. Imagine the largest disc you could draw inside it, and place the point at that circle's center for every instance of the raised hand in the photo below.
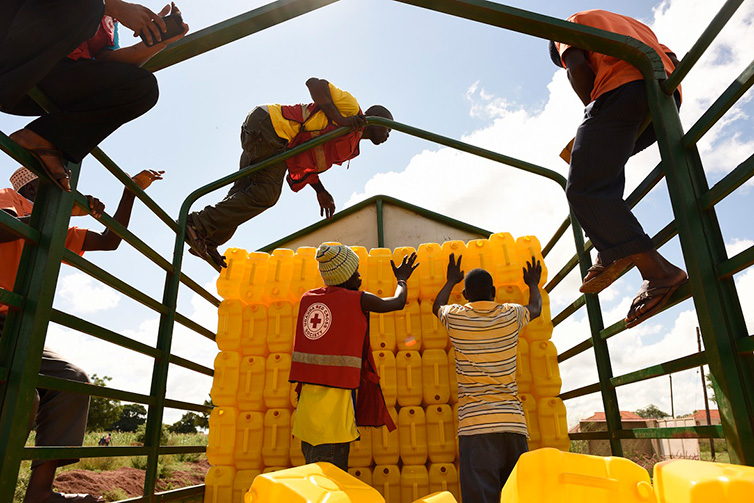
(145, 178)
(455, 274)
(403, 271)
(532, 272)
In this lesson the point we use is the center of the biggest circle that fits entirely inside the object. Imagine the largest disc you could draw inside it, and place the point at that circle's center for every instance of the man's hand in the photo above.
(403, 271)
(326, 204)
(455, 274)
(532, 273)
(352, 122)
(146, 177)
(97, 208)
(138, 18)
(172, 8)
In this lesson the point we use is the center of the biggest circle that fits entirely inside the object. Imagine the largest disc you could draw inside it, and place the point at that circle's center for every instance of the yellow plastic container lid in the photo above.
(312, 483)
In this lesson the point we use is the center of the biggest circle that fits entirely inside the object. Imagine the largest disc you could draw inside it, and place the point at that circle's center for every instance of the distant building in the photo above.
(632, 448)
(700, 417)
(629, 420)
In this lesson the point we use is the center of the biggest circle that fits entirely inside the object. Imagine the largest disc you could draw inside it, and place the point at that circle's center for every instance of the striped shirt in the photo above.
(485, 338)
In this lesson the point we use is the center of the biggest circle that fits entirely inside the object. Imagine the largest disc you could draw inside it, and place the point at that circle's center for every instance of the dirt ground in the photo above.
(129, 480)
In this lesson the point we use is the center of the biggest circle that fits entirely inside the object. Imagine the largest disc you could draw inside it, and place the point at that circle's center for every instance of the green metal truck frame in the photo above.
(729, 349)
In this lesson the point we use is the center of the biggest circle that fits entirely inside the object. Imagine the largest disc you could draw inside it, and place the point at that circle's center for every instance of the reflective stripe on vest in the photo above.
(327, 360)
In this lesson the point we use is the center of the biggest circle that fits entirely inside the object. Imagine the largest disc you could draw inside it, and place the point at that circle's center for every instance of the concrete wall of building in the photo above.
(401, 227)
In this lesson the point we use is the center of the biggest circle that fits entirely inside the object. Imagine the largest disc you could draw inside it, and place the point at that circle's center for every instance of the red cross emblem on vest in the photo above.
(317, 320)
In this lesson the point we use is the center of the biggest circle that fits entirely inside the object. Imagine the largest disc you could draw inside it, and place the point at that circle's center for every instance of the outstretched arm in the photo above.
(320, 91)
(532, 273)
(108, 240)
(580, 74)
(374, 304)
(454, 276)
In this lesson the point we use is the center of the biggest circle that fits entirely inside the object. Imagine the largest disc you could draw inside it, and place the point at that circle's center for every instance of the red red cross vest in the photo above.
(305, 167)
(332, 349)
(105, 36)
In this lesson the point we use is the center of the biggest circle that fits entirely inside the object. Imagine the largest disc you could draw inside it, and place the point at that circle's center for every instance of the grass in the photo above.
(167, 464)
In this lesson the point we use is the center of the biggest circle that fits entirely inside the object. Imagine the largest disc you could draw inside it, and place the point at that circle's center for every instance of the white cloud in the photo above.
(80, 294)
(737, 246)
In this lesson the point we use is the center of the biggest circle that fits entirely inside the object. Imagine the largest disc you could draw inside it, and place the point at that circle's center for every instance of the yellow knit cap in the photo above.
(337, 263)
(21, 177)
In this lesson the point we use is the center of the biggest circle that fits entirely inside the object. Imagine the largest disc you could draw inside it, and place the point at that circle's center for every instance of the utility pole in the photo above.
(704, 390)
(672, 409)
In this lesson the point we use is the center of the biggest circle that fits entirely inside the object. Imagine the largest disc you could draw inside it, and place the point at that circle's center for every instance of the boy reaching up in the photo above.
(332, 357)
(491, 425)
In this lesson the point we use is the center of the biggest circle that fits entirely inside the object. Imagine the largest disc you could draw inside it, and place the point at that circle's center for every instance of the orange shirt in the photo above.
(10, 252)
(610, 72)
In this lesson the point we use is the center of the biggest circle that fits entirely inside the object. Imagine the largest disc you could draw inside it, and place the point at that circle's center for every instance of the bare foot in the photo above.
(47, 154)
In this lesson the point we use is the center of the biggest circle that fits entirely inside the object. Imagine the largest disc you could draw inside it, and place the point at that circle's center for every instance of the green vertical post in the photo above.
(24, 335)
(717, 305)
(380, 224)
(162, 364)
(601, 352)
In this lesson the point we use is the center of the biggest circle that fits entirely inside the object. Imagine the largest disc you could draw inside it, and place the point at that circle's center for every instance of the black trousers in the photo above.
(35, 35)
(94, 97)
(605, 140)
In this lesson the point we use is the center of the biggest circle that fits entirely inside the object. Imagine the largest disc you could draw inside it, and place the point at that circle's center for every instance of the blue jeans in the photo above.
(336, 454)
(486, 461)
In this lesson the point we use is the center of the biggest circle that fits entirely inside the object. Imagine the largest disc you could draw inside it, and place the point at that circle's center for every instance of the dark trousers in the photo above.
(336, 454)
(60, 417)
(94, 97)
(35, 35)
(253, 194)
(485, 462)
(605, 140)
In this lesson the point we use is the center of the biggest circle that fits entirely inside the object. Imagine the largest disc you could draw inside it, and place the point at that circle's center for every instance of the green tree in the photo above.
(141, 434)
(132, 415)
(186, 424)
(103, 412)
(711, 388)
(651, 411)
(203, 420)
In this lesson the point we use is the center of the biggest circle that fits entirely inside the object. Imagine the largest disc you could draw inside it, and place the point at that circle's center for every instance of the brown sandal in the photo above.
(604, 276)
(199, 248)
(55, 178)
(646, 293)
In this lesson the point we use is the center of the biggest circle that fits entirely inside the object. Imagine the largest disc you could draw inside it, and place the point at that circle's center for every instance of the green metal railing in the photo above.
(728, 348)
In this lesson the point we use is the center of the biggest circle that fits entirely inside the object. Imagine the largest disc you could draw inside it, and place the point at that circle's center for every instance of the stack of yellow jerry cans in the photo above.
(250, 426)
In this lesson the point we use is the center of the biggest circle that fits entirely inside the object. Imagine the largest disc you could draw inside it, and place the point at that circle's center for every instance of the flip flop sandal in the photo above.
(663, 292)
(605, 275)
(197, 245)
(216, 257)
(55, 178)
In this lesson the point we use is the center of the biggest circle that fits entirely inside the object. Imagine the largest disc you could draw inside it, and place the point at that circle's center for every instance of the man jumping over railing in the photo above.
(61, 416)
(614, 94)
(273, 129)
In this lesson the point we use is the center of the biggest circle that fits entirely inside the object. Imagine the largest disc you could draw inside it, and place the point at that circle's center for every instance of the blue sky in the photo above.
(487, 86)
